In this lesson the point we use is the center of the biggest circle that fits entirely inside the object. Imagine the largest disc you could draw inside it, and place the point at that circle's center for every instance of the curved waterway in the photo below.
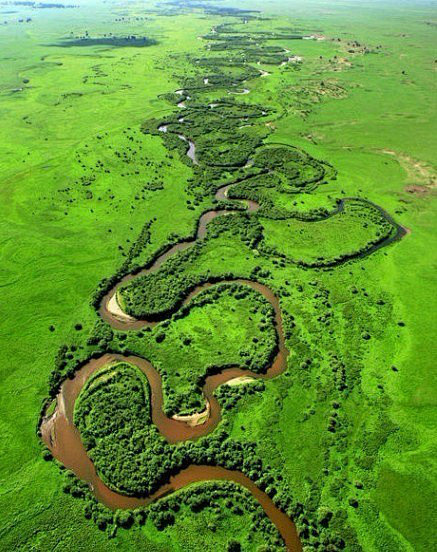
(63, 439)
(120, 321)
(191, 152)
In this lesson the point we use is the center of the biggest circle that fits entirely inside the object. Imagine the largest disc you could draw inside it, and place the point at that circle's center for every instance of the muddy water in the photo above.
(174, 430)
(63, 439)
(69, 450)
(120, 323)
(61, 423)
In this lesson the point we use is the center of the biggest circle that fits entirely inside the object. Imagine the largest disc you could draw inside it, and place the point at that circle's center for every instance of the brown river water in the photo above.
(63, 439)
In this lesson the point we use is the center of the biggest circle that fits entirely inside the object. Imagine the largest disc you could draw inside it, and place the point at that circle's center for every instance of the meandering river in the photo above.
(62, 437)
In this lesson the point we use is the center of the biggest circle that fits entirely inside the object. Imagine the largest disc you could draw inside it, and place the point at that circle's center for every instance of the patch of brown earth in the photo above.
(416, 189)
(423, 177)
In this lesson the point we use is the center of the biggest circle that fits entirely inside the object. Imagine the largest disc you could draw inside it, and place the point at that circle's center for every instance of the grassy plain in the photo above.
(373, 122)
(309, 241)
(225, 331)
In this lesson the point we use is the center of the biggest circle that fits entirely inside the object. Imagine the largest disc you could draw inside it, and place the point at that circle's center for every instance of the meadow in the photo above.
(93, 190)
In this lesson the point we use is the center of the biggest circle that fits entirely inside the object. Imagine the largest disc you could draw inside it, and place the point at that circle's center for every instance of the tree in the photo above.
(234, 546)
(123, 518)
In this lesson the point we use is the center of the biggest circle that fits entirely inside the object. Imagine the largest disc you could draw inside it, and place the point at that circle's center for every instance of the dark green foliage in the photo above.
(113, 417)
(113, 411)
(112, 41)
(158, 294)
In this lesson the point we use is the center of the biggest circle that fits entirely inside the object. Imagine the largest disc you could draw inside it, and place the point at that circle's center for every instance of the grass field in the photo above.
(225, 330)
(350, 424)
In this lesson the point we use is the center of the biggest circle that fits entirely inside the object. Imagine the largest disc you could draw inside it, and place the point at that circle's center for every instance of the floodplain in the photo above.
(217, 276)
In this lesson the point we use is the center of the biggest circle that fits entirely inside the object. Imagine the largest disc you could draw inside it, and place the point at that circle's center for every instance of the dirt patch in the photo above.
(423, 177)
(416, 189)
(340, 63)
(242, 380)
(194, 419)
(115, 309)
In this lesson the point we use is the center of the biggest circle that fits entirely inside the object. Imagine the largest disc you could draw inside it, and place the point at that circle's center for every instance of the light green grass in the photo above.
(52, 261)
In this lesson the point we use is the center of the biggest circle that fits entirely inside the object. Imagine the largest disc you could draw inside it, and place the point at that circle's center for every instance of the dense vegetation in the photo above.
(131, 456)
(226, 325)
(319, 136)
(227, 150)
(211, 497)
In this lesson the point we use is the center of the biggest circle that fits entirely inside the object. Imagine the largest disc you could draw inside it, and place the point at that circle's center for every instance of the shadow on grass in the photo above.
(114, 41)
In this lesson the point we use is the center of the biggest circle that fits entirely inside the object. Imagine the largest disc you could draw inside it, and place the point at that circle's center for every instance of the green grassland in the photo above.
(225, 326)
(326, 239)
(350, 424)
